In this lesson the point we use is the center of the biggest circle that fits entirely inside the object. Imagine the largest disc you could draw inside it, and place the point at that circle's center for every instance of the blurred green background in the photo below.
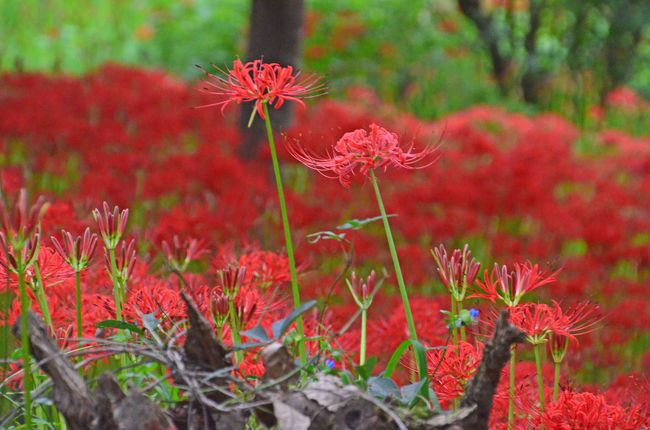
(423, 56)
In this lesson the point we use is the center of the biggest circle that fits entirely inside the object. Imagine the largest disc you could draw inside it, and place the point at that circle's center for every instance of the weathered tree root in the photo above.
(108, 408)
(325, 403)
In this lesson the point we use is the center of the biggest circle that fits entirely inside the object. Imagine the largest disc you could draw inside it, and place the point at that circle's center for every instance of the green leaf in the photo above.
(356, 224)
(409, 392)
(382, 387)
(247, 345)
(121, 325)
(279, 327)
(365, 371)
(421, 358)
(258, 333)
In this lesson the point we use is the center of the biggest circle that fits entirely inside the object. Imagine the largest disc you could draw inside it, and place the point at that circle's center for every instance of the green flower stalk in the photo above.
(20, 241)
(362, 294)
(558, 346)
(38, 288)
(267, 84)
(362, 152)
(393, 254)
(231, 310)
(111, 227)
(77, 253)
(287, 238)
(457, 272)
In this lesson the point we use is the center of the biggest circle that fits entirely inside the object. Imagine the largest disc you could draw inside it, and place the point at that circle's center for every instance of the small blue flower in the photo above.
(474, 313)
(330, 363)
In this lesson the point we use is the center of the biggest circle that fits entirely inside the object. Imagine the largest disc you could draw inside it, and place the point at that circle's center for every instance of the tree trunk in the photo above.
(275, 35)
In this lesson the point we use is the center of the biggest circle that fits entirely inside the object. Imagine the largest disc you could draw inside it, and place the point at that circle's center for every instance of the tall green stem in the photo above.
(24, 337)
(234, 329)
(42, 298)
(540, 383)
(556, 381)
(362, 353)
(398, 270)
(117, 290)
(78, 294)
(511, 397)
(287, 238)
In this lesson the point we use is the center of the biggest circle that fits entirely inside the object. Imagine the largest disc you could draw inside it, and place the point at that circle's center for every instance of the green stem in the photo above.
(455, 315)
(116, 285)
(362, 354)
(398, 270)
(556, 381)
(24, 337)
(540, 383)
(287, 238)
(41, 298)
(462, 328)
(78, 294)
(234, 330)
(511, 397)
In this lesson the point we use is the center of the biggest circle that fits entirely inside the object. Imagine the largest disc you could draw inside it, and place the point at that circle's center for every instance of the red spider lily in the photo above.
(76, 252)
(111, 225)
(362, 289)
(267, 268)
(19, 225)
(510, 287)
(154, 297)
(453, 370)
(590, 411)
(219, 308)
(538, 321)
(262, 83)
(231, 279)
(16, 261)
(457, 272)
(20, 232)
(580, 319)
(179, 255)
(361, 151)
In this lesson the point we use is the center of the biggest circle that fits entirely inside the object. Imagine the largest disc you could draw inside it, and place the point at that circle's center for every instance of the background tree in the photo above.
(529, 42)
(275, 35)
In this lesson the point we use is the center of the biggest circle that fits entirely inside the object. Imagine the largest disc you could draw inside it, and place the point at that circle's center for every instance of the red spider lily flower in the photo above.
(20, 232)
(538, 321)
(360, 151)
(76, 252)
(590, 411)
(510, 287)
(19, 224)
(580, 319)
(111, 225)
(262, 83)
(15, 260)
(51, 266)
(457, 272)
(362, 289)
(231, 279)
(219, 308)
(179, 255)
(454, 370)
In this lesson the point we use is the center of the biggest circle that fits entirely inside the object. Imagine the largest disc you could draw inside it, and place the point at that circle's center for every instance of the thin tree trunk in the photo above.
(275, 36)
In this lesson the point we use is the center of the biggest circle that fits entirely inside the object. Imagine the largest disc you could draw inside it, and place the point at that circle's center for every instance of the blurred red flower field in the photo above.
(515, 188)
